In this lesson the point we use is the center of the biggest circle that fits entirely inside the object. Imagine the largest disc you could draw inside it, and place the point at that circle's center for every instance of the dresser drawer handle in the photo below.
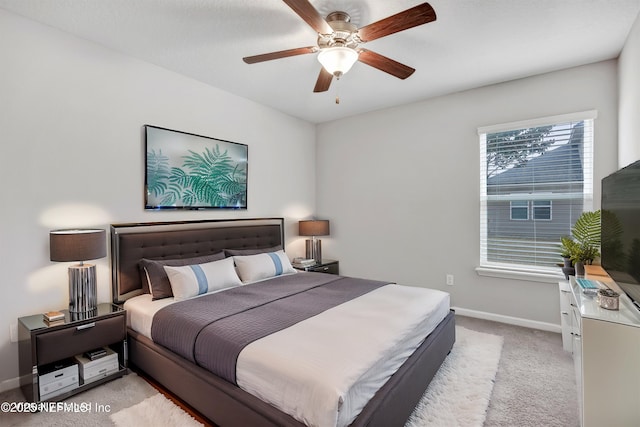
(86, 326)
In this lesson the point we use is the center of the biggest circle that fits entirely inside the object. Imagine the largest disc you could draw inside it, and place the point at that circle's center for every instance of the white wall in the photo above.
(71, 147)
(629, 103)
(401, 186)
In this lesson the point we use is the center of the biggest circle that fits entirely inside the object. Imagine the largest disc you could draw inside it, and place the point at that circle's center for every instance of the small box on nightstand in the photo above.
(93, 370)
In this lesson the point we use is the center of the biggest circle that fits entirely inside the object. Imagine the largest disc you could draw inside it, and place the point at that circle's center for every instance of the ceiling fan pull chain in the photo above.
(337, 91)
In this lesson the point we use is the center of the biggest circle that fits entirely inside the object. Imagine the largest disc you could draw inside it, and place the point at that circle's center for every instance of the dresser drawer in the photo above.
(77, 339)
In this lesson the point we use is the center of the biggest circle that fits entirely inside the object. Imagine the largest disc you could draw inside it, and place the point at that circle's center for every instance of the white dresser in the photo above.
(606, 354)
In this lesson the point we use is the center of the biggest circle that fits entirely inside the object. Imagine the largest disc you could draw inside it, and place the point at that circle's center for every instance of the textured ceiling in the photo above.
(472, 43)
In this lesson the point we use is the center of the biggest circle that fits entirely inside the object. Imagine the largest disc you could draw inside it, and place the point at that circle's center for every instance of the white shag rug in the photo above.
(154, 411)
(457, 396)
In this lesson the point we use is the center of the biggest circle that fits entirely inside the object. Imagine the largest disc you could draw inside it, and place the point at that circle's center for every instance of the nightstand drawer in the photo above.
(77, 339)
(327, 268)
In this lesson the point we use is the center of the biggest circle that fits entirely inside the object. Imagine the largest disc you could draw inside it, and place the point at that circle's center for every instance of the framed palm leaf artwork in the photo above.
(188, 171)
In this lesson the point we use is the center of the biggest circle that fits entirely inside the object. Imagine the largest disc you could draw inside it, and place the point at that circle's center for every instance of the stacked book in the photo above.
(52, 318)
(96, 353)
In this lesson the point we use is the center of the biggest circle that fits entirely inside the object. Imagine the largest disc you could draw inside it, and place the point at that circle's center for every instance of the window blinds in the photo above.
(536, 178)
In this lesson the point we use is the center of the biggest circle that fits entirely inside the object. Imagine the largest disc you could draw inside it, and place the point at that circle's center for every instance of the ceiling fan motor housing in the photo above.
(344, 32)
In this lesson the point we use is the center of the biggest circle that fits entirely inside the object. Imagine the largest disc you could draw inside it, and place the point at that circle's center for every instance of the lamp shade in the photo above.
(77, 245)
(316, 227)
(337, 60)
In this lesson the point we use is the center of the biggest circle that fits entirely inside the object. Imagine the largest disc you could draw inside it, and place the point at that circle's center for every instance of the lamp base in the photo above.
(313, 249)
(83, 291)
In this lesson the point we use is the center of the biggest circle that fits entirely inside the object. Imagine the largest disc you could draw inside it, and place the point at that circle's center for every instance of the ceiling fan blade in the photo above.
(310, 15)
(418, 15)
(324, 81)
(279, 54)
(385, 64)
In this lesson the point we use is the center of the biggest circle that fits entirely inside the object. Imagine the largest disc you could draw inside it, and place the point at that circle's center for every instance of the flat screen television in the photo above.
(620, 227)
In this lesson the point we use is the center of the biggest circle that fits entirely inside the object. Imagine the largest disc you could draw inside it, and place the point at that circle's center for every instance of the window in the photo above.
(542, 210)
(536, 178)
(519, 210)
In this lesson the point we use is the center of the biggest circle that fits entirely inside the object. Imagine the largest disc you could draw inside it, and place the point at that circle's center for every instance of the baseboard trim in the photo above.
(532, 324)
(9, 384)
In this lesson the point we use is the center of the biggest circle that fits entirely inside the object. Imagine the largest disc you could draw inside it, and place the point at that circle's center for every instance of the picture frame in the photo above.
(188, 171)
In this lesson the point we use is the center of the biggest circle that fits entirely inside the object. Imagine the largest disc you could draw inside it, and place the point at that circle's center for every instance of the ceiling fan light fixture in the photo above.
(337, 60)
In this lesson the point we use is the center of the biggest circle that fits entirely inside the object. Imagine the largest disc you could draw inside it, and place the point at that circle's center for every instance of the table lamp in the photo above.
(313, 228)
(79, 245)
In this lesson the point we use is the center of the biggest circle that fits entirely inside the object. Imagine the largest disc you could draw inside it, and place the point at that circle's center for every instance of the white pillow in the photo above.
(263, 266)
(191, 280)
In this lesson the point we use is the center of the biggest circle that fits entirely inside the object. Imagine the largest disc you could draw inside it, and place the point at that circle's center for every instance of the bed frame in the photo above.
(220, 401)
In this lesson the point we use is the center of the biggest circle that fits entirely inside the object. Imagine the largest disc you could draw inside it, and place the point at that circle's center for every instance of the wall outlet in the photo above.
(450, 279)
(13, 332)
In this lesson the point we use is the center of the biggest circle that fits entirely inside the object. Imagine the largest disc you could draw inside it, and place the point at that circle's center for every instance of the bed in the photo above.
(229, 400)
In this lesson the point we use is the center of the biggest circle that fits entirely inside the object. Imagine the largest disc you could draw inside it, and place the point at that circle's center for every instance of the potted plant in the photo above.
(567, 249)
(584, 255)
(584, 246)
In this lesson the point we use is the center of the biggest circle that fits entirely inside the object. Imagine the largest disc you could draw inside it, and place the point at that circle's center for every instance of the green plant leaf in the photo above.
(586, 233)
(211, 178)
(586, 229)
(157, 172)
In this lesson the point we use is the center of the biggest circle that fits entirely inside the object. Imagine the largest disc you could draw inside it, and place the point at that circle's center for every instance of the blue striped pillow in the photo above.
(252, 268)
(197, 279)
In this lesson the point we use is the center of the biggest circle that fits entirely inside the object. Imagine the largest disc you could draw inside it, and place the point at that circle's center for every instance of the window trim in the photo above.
(542, 121)
(530, 275)
(517, 271)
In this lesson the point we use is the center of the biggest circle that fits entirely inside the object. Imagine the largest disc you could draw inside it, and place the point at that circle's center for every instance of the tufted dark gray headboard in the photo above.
(164, 240)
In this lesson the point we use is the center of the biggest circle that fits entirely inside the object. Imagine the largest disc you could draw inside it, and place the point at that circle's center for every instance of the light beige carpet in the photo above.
(535, 384)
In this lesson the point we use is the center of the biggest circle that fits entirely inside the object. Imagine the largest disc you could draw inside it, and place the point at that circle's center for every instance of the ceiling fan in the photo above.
(339, 41)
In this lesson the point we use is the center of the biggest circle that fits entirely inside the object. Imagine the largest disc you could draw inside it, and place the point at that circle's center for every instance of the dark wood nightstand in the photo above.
(329, 266)
(44, 348)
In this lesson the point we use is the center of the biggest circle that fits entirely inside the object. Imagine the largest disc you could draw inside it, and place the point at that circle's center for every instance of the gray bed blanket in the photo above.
(211, 330)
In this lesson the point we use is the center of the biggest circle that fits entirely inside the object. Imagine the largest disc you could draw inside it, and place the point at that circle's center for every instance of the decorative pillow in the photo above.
(154, 277)
(241, 252)
(198, 279)
(263, 266)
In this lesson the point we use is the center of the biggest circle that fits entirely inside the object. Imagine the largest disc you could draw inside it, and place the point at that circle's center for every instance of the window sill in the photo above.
(517, 274)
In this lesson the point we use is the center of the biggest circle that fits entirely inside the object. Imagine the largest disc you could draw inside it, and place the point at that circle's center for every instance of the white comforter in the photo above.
(324, 370)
